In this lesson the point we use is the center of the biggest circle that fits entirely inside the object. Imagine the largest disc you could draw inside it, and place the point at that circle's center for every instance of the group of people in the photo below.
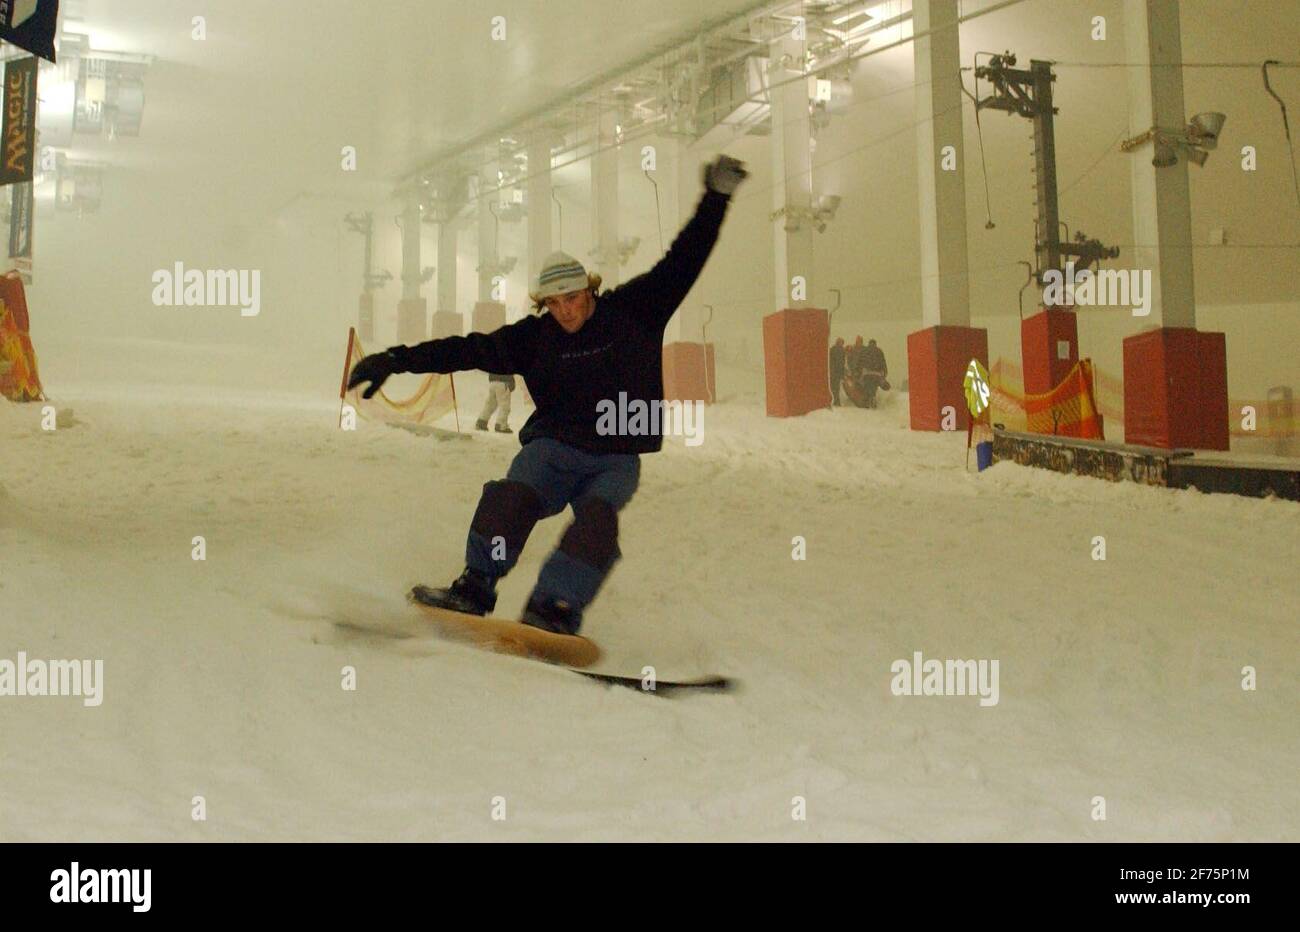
(859, 370)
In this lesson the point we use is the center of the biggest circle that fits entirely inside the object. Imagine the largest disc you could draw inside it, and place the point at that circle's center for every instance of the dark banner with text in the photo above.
(19, 126)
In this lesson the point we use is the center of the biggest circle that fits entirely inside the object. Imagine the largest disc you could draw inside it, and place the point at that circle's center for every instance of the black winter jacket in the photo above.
(837, 360)
(617, 356)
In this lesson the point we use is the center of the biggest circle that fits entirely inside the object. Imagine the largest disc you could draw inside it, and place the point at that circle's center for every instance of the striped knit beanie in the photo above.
(561, 273)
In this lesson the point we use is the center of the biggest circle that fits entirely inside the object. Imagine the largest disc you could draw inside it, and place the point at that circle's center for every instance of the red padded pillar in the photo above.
(796, 342)
(447, 324)
(412, 321)
(688, 372)
(1176, 389)
(487, 316)
(1049, 348)
(366, 317)
(937, 358)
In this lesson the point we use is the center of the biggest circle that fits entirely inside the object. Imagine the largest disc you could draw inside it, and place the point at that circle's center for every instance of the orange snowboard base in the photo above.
(513, 637)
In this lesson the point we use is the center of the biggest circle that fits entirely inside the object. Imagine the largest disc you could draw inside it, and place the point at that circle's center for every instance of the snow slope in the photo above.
(1118, 679)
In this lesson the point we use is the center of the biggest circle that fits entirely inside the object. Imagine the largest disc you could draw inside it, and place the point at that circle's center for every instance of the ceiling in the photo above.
(278, 87)
(250, 123)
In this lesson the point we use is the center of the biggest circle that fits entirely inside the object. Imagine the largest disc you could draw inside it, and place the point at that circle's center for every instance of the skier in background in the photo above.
(837, 370)
(875, 372)
(500, 387)
(587, 351)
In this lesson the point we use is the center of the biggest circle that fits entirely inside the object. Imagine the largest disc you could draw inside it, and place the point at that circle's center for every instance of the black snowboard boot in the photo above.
(552, 615)
(473, 594)
(503, 429)
(480, 425)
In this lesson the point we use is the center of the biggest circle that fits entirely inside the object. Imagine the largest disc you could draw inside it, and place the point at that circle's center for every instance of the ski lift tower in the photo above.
(1049, 339)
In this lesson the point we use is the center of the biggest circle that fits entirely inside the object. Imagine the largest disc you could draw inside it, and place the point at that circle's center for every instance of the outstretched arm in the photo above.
(507, 350)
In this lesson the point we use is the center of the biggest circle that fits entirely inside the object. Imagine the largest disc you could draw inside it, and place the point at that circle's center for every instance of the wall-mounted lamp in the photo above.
(1196, 140)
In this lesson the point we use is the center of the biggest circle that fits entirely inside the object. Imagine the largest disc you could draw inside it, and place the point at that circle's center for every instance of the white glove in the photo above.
(724, 174)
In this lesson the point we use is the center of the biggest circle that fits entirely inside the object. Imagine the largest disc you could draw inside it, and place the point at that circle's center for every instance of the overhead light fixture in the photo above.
(1204, 129)
(1164, 157)
(1196, 140)
(820, 213)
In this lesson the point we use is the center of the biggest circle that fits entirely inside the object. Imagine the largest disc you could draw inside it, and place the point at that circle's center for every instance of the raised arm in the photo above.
(656, 294)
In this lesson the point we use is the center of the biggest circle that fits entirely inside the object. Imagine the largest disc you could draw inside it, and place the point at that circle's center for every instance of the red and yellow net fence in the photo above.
(1274, 418)
(1068, 410)
(19, 380)
(434, 398)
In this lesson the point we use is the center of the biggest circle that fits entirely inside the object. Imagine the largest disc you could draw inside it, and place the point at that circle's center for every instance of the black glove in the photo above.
(724, 174)
(374, 369)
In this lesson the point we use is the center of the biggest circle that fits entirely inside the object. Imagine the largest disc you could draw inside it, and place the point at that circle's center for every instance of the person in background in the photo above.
(500, 387)
(837, 370)
(853, 360)
(875, 372)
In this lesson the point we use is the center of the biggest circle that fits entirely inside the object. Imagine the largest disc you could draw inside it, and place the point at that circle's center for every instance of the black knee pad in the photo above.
(593, 535)
(508, 509)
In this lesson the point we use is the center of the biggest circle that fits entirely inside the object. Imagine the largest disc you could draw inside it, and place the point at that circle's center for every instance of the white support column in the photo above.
(1162, 213)
(945, 275)
(792, 183)
(539, 203)
(412, 319)
(411, 231)
(604, 203)
(682, 164)
(488, 198)
(446, 267)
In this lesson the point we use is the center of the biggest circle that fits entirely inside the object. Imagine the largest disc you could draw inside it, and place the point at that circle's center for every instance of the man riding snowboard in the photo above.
(586, 349)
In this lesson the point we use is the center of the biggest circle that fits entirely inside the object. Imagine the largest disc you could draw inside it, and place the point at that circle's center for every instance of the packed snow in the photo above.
(223, 678)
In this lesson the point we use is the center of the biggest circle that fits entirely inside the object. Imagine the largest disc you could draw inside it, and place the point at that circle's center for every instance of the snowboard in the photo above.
(712, 682)
(567, 652)
(512, 637)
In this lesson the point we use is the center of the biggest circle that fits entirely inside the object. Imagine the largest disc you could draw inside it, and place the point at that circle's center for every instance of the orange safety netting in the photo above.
(19, 380)
(435, 396)
(1273, 418)
(1068, 410)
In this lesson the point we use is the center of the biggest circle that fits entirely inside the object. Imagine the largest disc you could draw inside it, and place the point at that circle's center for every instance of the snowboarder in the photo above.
(586, 351)
(500, 388)
(837, 370)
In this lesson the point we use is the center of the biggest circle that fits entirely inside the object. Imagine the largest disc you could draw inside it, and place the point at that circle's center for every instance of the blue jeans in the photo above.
(545, 477)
